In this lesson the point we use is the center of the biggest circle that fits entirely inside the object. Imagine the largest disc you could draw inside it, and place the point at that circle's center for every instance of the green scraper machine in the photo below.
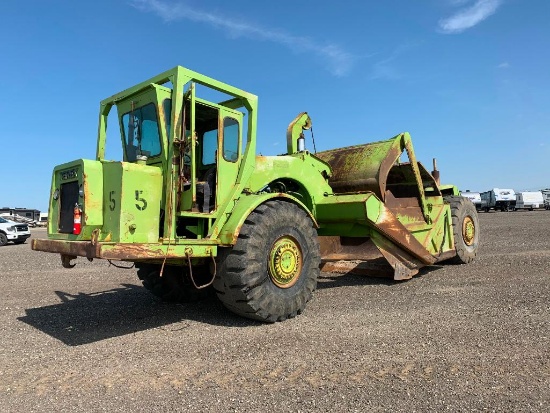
(196, 210)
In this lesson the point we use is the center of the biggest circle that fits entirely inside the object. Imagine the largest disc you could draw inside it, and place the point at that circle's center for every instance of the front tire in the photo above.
(465, 229)
(3, 239)
(271, 272)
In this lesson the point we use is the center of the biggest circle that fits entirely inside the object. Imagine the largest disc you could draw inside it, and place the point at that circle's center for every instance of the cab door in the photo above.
(229, 153)
(214, 156)
(209, 164)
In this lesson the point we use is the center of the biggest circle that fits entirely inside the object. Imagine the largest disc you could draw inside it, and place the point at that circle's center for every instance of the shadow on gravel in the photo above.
(86, 318)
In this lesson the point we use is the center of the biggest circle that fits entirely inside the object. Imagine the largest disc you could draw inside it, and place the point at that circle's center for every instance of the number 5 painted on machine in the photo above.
(112, 202)
(139, 199)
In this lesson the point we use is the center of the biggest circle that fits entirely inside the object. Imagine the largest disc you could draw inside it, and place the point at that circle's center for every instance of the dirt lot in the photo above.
(458, 338)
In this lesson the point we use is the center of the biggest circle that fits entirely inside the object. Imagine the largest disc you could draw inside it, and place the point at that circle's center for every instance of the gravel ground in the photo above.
(458, 338)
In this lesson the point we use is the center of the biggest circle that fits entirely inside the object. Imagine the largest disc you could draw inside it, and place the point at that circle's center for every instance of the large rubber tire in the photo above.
(271, 272)
(3, 239)
(465, 229)
(175, 284)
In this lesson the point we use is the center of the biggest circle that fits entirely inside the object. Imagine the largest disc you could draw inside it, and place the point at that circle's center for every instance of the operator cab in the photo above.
(205, 158)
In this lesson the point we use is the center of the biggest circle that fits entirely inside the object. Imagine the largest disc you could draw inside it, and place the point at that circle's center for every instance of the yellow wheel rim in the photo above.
(285, 262)
(468, 231)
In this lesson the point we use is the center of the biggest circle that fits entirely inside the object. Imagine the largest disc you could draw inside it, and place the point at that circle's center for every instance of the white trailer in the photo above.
(43, 222)
(499, 199)
(475, 197)
(546, 196)
(529, 200)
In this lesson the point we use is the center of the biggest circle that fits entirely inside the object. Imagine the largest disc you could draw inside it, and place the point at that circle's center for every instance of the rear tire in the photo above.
(465, 229)
(271, 272)
(174, 285)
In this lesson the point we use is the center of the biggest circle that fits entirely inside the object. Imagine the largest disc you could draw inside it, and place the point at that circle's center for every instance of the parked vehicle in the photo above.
(19, 219)
(13, 232)
(529, 200)
(546, 197)
(192, 205)
(498, 199)
(43, 222)
(475, 197)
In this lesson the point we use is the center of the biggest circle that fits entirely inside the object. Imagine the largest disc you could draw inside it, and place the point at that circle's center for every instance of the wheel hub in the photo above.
(468, 231)
(285, 262)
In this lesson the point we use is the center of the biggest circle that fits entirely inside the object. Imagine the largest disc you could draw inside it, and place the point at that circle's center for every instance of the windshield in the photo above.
(3, 221)
(141, 132)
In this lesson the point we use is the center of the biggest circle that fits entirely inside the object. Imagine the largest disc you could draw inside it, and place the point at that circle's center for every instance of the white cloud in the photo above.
(387, 69)
(470, 16)
(504, 65)
(338, 61)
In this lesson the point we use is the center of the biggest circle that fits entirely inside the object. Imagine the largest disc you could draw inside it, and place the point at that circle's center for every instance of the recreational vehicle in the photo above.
(475, 197)
(499, 199)
(529, 200)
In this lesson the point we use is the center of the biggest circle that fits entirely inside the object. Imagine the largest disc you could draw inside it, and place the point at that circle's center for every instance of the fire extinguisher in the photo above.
(77, 215)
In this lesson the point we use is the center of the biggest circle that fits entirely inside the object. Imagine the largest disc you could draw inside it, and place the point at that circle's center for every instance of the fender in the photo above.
(449, 190)
(244, 207)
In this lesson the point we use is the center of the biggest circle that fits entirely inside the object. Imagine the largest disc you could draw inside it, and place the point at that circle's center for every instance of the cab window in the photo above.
(167, 107)
(210, 144)
(141, 131)
(230, 139)
(206, 124)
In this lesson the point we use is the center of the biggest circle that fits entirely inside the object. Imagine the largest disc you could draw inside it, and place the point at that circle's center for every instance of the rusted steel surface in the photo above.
(446, 255)
(69, 248)
(366, 256)
(418, 179)
(377, 256)
(435, 172)
(120, 251)
(405, 265)
(354, 256)
(388, 225)
(375, 167)
(369, 212)
(361, 168)
(378, 267)
(348, 248)
(405, 207)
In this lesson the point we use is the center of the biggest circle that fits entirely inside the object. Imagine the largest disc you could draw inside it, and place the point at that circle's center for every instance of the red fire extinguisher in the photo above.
(77, 215)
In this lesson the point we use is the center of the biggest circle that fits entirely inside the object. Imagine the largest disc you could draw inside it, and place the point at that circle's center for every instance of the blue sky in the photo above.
(467, 78)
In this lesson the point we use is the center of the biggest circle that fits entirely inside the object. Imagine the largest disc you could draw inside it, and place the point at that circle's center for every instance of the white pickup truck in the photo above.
(13, 231)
